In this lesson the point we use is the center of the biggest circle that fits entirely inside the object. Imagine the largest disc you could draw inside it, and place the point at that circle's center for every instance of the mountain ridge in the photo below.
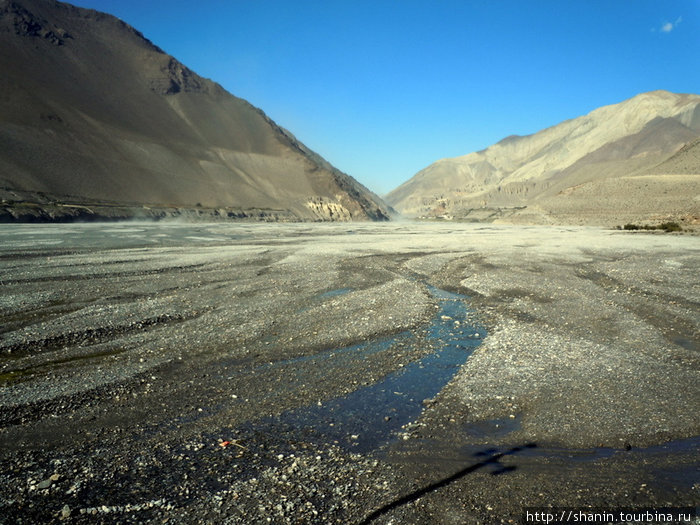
(93, 110)
(527, 171)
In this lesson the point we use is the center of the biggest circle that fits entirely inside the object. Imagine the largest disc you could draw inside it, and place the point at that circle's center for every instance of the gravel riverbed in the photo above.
(179, 373)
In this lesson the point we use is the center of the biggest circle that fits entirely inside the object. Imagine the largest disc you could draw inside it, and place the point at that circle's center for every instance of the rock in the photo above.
(65, 512)
(45, 484)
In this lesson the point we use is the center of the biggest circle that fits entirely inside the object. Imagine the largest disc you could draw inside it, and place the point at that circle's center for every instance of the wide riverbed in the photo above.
(344, 373)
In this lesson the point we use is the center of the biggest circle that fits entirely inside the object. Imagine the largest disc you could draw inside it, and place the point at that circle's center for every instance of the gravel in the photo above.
(145, 370)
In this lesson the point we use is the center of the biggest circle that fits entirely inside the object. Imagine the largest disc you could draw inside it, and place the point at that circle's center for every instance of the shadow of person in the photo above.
(492, 458)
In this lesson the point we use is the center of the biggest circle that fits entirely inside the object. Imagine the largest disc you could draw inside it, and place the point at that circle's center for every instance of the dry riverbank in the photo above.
(192, 372)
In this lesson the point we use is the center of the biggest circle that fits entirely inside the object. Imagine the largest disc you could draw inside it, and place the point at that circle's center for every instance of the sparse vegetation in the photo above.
(665, 226)
(670, 227)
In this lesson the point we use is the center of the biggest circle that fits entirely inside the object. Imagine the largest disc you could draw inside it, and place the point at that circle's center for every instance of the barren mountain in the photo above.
(95, 120)
(633, 161)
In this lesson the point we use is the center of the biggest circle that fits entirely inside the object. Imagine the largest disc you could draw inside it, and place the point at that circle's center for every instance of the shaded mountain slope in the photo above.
(684, 162)
(91, 112)
(539, 178)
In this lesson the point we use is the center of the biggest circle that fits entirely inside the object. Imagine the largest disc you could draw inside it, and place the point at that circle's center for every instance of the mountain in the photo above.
(97, 122)
(632, 161)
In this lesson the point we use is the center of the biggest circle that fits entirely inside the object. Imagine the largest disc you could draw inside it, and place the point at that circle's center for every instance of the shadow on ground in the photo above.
(489, 458)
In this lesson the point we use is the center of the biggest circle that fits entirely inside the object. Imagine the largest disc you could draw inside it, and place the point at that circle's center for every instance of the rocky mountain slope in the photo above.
(632, 161)
(96, 121)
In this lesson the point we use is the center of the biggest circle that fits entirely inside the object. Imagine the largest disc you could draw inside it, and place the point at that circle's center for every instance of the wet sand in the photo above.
(235, 373)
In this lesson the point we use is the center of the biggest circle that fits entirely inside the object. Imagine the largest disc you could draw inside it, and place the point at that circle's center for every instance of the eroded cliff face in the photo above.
(325, 209)
(94, 114)
(545, 172)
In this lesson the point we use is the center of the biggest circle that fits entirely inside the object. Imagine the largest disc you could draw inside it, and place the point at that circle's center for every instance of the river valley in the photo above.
(344, 373)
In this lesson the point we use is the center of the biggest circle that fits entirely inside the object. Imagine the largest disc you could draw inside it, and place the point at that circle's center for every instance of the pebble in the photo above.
(309, 486)
(45, 484)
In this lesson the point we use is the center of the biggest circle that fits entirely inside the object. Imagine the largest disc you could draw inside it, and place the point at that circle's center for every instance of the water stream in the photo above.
(373, 416)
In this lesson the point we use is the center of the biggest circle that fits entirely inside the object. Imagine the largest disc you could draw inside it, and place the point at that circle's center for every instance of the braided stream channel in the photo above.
(373, 416)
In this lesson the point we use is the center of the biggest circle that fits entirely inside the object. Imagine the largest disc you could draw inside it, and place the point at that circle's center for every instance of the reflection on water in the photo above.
(372, 417)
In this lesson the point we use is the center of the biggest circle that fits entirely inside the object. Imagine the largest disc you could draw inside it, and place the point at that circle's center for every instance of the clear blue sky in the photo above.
(383, 88)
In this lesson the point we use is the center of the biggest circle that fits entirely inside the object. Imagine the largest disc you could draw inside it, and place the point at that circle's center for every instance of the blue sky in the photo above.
(383, 88)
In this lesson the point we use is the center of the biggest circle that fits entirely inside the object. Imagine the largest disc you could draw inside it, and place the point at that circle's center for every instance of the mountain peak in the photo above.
(17, 18)
(611, 142)
(95, 115)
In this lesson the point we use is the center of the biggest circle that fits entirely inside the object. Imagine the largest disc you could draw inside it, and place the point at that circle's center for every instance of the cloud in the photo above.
(667, 27)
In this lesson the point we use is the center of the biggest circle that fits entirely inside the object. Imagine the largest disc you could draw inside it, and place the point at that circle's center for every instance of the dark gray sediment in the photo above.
(185, 373)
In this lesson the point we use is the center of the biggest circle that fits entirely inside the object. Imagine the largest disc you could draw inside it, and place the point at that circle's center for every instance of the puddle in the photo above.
(371, 417)
(315, 301)
(681, 474)
(335, 293)
(354, 352)
(687, 446)
(686, 474)
(685, 342)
